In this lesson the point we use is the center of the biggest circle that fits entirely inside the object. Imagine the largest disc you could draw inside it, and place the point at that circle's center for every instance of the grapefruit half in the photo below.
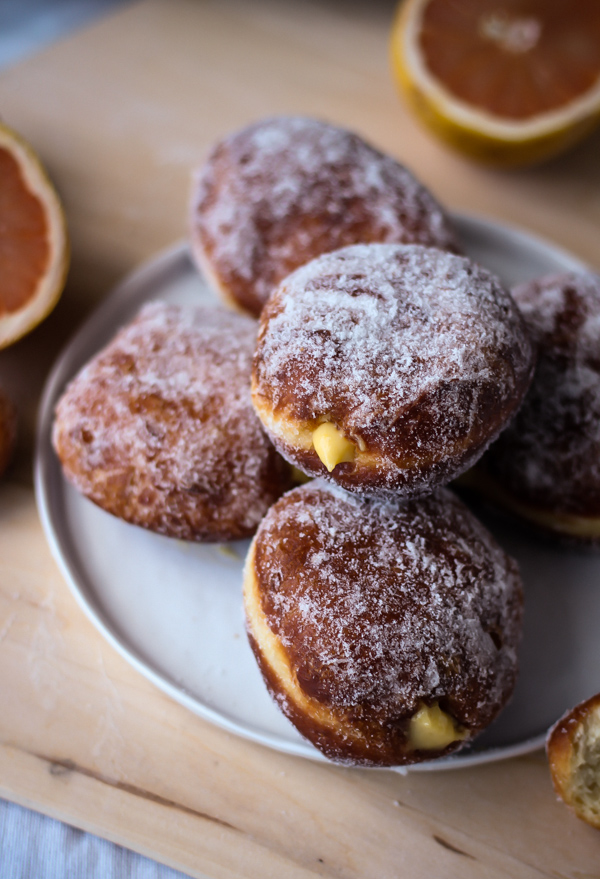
(508, 82)
(34, 249)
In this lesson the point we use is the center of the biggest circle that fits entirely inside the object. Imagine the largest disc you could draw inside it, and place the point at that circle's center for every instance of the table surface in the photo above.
(121, 113)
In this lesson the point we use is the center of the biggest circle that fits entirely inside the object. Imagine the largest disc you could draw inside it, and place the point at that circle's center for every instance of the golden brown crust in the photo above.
(360, 611)
(574, 760)
(159, 429)
(8, 431)
(566, 529)
(284, 190)
(548, 459)
(416, 355)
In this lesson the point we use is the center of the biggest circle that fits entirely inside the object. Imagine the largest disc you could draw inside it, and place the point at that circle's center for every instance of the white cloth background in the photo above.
(33, 846)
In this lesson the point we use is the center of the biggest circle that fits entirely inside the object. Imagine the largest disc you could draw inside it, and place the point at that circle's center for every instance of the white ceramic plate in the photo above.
(174, 610)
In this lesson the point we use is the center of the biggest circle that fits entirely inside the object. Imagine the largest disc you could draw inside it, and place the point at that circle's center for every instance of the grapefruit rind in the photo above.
(473, 131)
(16, 324)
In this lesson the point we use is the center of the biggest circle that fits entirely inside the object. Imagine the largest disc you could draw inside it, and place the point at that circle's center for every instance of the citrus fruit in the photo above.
(34, 248)
(506, 81)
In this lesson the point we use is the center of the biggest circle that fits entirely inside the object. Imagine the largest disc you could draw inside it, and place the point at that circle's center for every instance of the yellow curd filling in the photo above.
(331, 445)
(431, 729)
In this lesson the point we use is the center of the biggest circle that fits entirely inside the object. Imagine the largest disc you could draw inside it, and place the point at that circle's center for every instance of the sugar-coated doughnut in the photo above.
(386, 631)
(284, 190)
(545, 467)
(388, 367)
(8, 431)
(573, 748)
(159, 429)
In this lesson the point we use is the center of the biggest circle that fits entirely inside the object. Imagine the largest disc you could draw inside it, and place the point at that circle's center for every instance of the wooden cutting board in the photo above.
(120, 114)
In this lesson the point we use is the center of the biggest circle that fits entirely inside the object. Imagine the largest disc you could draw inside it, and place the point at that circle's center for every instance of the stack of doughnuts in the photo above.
(384, 618)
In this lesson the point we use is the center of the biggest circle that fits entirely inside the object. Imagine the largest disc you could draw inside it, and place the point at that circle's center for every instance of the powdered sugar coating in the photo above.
(284, 190)
(159, 429)
(550, 454)
(383, 605)
(418, 355)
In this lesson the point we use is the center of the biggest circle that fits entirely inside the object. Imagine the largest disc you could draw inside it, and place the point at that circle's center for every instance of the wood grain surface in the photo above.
(121, 113)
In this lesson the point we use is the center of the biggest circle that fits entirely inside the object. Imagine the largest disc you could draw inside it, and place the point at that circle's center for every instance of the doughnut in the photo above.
(385, 630)
(8, 431)
(573, 749)
(545, 467)
(275, 195)
(158, 429)
(389, 367)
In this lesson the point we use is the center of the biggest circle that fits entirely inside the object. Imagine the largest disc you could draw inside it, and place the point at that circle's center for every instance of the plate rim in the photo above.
(46, 469)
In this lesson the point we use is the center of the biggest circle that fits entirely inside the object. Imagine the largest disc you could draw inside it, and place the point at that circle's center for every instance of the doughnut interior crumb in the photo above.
(585, 768)
(573, 748)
